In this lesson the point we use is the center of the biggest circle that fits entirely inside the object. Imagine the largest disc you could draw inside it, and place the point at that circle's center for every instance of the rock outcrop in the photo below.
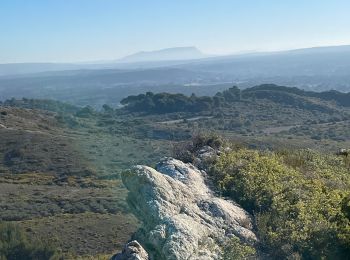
(132, 251)
(182, 218)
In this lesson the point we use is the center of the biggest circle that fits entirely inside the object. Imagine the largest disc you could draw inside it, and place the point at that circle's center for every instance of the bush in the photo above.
(14, 245)
(299, 200)
(187, 151)
(162, 103)
(236, 250)
(85, 112)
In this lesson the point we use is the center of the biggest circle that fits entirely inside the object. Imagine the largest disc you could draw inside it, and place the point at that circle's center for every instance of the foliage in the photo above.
(340, 98)
(166, 103)
(67, 119)
(300, 199)
(187, 151)
(236, 250)
(230, 95)
(43, 104)
(15, 245)
(85, 112)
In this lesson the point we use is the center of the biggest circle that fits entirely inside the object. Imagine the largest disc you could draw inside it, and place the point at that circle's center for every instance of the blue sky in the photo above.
(83, 30)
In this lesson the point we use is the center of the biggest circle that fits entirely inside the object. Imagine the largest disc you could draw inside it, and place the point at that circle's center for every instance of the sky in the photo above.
(94, 30)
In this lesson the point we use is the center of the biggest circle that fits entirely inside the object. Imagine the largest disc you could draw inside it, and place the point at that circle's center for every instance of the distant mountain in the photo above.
(328, 61)
(318, 69)
(159, 58)
(178, 53)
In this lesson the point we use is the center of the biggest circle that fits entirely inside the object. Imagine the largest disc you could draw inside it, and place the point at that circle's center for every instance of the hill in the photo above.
(284, 96)
(33, 142)
(321, 68)
(60, 164)
(52, 189)
(265, 116)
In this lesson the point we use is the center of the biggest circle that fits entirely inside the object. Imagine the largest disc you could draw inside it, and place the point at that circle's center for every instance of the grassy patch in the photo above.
(83, 234)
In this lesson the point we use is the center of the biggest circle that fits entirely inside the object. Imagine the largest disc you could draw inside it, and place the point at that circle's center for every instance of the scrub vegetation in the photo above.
(60, 166)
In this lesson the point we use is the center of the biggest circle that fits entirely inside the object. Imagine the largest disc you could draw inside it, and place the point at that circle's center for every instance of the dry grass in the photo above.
(84, 234)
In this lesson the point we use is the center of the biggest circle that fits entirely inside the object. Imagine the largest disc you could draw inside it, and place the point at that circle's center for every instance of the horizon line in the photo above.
(235, 53)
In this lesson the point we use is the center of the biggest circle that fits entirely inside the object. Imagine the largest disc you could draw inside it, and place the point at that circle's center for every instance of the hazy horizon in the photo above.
(80, 31)
(240, 52)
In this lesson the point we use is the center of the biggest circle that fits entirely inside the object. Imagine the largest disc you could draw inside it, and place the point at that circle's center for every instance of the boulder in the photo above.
(132, 251)
(343, 152)
(205, 155)
(182, 218)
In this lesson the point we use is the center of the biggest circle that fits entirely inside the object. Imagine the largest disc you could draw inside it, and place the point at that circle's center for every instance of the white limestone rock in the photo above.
(182, 218)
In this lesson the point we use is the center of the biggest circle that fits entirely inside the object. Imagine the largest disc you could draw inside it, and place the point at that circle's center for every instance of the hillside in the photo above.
(266, 116)
(33, 142)
(61, 164)
(330, 61)
(318, 69)
(48, 186)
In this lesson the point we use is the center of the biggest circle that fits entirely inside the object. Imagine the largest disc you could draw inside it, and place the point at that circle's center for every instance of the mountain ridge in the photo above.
(319, 68)
(175, 53)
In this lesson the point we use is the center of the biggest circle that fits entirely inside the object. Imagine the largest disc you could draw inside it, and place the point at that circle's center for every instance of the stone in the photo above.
(132, 251)
(182, 218)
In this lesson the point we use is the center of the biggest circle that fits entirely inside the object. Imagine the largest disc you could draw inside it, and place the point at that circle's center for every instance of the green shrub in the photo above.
(299, 200)
(236, 250)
